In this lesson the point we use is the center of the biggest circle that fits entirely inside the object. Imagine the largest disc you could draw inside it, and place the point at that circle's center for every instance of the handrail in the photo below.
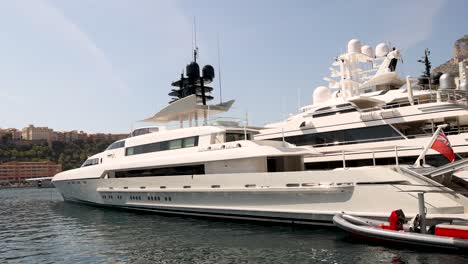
(443, 95)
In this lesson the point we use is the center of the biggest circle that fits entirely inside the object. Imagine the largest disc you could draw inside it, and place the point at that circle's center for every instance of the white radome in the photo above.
(382, 50)
(321, 94)
(367, 50)
(354, 45)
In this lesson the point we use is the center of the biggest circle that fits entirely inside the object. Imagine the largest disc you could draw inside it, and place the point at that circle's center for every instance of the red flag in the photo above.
(442, 145)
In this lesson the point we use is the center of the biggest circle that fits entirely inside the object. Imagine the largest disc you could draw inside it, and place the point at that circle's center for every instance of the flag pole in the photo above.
(417, 163)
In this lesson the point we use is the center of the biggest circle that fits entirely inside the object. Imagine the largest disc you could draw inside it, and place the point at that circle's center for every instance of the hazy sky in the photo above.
(100, 66)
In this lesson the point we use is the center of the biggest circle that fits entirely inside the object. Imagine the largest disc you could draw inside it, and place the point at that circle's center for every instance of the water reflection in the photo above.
(38, 227)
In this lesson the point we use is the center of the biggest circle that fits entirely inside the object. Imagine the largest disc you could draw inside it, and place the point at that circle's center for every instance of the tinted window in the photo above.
(350, 136)
(167, 171)
(342, 111)
(90, 162)
(236, 136)
(324, 108)
(161, 146)
(143, 131)
(342, 105)
(116, 145)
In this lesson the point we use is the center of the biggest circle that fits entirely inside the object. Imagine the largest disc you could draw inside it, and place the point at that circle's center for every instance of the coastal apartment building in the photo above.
(18, 172)
(15, 133)
(32, 133)
(37, 133)
(70, 136)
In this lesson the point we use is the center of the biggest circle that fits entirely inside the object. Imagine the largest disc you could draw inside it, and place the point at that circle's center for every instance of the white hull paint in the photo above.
(313, 198)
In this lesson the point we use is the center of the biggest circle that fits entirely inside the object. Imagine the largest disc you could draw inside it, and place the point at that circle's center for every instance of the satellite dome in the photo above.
(447, 81)
(367, 50)
(193, 70)
(354, 45)
(208, 72)
(321, 94)
(382, 50)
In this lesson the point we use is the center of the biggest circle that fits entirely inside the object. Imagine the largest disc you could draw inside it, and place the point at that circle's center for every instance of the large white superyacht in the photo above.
(371, 115)
(217, 170)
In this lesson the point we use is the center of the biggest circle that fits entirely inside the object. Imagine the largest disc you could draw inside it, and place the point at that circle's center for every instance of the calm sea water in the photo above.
(36, 226)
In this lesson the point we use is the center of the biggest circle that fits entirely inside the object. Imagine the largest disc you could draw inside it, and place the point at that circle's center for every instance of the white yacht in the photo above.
(219, 171)
(370, 115)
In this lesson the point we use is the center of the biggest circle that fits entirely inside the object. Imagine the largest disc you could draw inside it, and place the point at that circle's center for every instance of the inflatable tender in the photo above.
(448, 236)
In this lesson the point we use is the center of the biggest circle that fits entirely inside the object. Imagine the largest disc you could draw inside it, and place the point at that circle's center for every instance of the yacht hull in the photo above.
(293, 197)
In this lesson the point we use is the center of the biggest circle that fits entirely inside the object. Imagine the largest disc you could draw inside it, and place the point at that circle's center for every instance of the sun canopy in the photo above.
(188, 108)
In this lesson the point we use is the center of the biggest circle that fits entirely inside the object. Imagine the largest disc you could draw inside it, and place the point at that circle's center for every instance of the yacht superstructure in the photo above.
(370, 115)
(200, 171)
(218, 170)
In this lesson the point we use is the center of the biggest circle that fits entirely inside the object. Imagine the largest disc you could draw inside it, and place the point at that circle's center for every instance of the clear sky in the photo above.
(100, 66)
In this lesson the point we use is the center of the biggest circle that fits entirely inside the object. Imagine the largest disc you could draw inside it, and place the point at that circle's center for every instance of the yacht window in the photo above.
(349, 136)
(233, 136)
(328, 113)
(116, 145)
(90, 162)
(144, 130)
(175, 144)
(324, 108)
(165, 171)
(161, 146)
(342, 105)
(189, 142)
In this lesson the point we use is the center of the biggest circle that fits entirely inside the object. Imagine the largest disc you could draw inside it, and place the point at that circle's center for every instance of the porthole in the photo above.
(165, 198)
(170, 199)
(250, 185)
(187, 187)
(293, 185)
(163, 187)
(215, 186)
